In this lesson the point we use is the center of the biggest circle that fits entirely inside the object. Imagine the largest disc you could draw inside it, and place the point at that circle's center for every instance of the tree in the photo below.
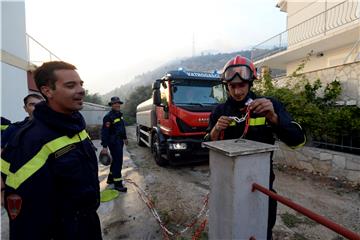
(139, 95)
(93, 98)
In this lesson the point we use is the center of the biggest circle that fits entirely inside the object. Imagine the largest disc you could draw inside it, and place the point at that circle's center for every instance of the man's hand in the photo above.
(104, 150)
(126, 142)
(264, 107)
(222, 123)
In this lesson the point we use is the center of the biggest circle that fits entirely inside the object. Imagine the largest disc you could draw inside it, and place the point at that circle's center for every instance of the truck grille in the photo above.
(188, 129)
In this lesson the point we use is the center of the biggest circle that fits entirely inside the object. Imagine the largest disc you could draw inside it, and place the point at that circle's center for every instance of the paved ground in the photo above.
(126, 217)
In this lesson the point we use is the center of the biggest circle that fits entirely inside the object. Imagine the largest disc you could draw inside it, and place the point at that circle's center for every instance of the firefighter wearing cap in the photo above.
(49, 166)
(113, 136)
(259, 118)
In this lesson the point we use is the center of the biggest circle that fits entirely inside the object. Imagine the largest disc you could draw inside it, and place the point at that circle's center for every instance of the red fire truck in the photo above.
(173, 122)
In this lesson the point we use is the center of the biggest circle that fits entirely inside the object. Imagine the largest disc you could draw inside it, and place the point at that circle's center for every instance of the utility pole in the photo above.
(193, 45)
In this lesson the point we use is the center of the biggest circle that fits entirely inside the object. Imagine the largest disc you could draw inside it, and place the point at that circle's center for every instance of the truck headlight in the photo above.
(177, 146)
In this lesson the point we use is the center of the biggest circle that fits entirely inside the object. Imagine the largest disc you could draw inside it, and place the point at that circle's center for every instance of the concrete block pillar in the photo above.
(235, 211)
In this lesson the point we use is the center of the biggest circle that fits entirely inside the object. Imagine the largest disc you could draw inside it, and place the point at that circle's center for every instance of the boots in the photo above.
(120, 187)
(110, 179)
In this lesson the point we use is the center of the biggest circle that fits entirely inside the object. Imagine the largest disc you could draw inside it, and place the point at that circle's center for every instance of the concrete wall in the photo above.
(327, 162)
(348, 75)
(13, 60)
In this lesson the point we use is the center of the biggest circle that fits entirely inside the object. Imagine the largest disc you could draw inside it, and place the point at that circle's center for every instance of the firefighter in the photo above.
(49, 166)
(258, 118)
(29, 105)
(113, 136)
(4, 124)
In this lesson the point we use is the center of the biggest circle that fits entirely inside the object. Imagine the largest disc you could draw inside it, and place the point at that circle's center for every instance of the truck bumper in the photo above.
(194, 152)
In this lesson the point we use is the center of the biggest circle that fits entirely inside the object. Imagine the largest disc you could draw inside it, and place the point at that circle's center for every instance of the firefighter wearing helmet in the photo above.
(245, 115)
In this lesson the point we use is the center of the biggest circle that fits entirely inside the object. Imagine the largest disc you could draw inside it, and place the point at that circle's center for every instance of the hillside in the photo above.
(207, 63)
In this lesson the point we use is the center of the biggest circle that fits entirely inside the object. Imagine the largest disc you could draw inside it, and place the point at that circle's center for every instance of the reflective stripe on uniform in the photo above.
(3, 127)
(5, 167)
(117, 120)
(232, 123)
(301, 144)
(257, 121)
(118, 179)
(14, 180)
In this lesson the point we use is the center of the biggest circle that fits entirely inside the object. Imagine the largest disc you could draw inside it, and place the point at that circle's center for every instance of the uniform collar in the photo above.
(67, 124)
(116, 112)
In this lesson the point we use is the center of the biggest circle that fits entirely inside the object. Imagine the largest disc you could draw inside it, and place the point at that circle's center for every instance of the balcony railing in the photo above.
(332, 18)
(38, 53)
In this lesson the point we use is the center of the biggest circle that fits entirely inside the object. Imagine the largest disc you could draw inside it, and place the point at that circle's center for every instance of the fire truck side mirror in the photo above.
(156, 97)
(156, 92)
(156, 84)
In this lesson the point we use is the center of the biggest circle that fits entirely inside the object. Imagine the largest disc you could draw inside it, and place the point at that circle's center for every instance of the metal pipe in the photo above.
(310, 214)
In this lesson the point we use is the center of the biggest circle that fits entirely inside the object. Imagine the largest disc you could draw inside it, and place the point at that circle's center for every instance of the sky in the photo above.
(111, 41)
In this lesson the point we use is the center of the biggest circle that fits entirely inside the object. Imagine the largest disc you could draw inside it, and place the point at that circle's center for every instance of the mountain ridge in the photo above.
(203, 63)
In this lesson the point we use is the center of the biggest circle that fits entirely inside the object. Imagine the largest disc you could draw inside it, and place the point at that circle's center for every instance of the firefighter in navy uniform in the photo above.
(245, 115)
(4, 124)
(29, 105)
(49, 166)
(113, 135)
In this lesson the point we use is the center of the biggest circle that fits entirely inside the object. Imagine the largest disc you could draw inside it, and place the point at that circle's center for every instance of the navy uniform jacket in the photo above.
(11, 130)
(4, 124)
(113, 128)
(288, 131)
(50, 163)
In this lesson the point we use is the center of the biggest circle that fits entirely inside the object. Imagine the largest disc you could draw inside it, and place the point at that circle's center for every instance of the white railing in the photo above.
(339, 15)
(38, 53)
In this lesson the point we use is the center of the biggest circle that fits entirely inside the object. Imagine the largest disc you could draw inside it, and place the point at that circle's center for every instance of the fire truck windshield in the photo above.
(197, 92)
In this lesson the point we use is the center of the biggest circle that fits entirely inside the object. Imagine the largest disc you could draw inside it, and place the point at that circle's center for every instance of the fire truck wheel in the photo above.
(156, 151)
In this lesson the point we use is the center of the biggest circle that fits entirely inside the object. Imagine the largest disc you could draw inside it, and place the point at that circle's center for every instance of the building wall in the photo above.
(326, 59)
(13, 60)
(93, 117)
(347, 74)
(308, 17)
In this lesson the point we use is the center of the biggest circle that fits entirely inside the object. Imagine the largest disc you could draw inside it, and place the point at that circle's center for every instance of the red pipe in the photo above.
(314, 216)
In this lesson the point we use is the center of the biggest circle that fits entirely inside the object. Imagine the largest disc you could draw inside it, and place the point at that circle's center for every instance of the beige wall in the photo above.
(331, 58)
(348, 75)
(312, 19)
(299, 11)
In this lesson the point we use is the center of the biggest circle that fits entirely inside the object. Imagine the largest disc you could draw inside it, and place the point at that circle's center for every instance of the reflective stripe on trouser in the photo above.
(116, 151)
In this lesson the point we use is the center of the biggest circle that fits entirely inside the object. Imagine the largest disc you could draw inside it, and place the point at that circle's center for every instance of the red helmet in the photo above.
(240, 66)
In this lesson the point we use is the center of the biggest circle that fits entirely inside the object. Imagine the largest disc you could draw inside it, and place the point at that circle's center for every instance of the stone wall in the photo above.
(347, 74)
(327, 162)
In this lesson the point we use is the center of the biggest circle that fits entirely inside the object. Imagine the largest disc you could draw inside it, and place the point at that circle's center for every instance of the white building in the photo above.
(14, 64)
(326, 30)
(18, 53)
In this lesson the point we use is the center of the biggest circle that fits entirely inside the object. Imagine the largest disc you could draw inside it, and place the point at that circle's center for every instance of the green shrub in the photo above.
(316, 111)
